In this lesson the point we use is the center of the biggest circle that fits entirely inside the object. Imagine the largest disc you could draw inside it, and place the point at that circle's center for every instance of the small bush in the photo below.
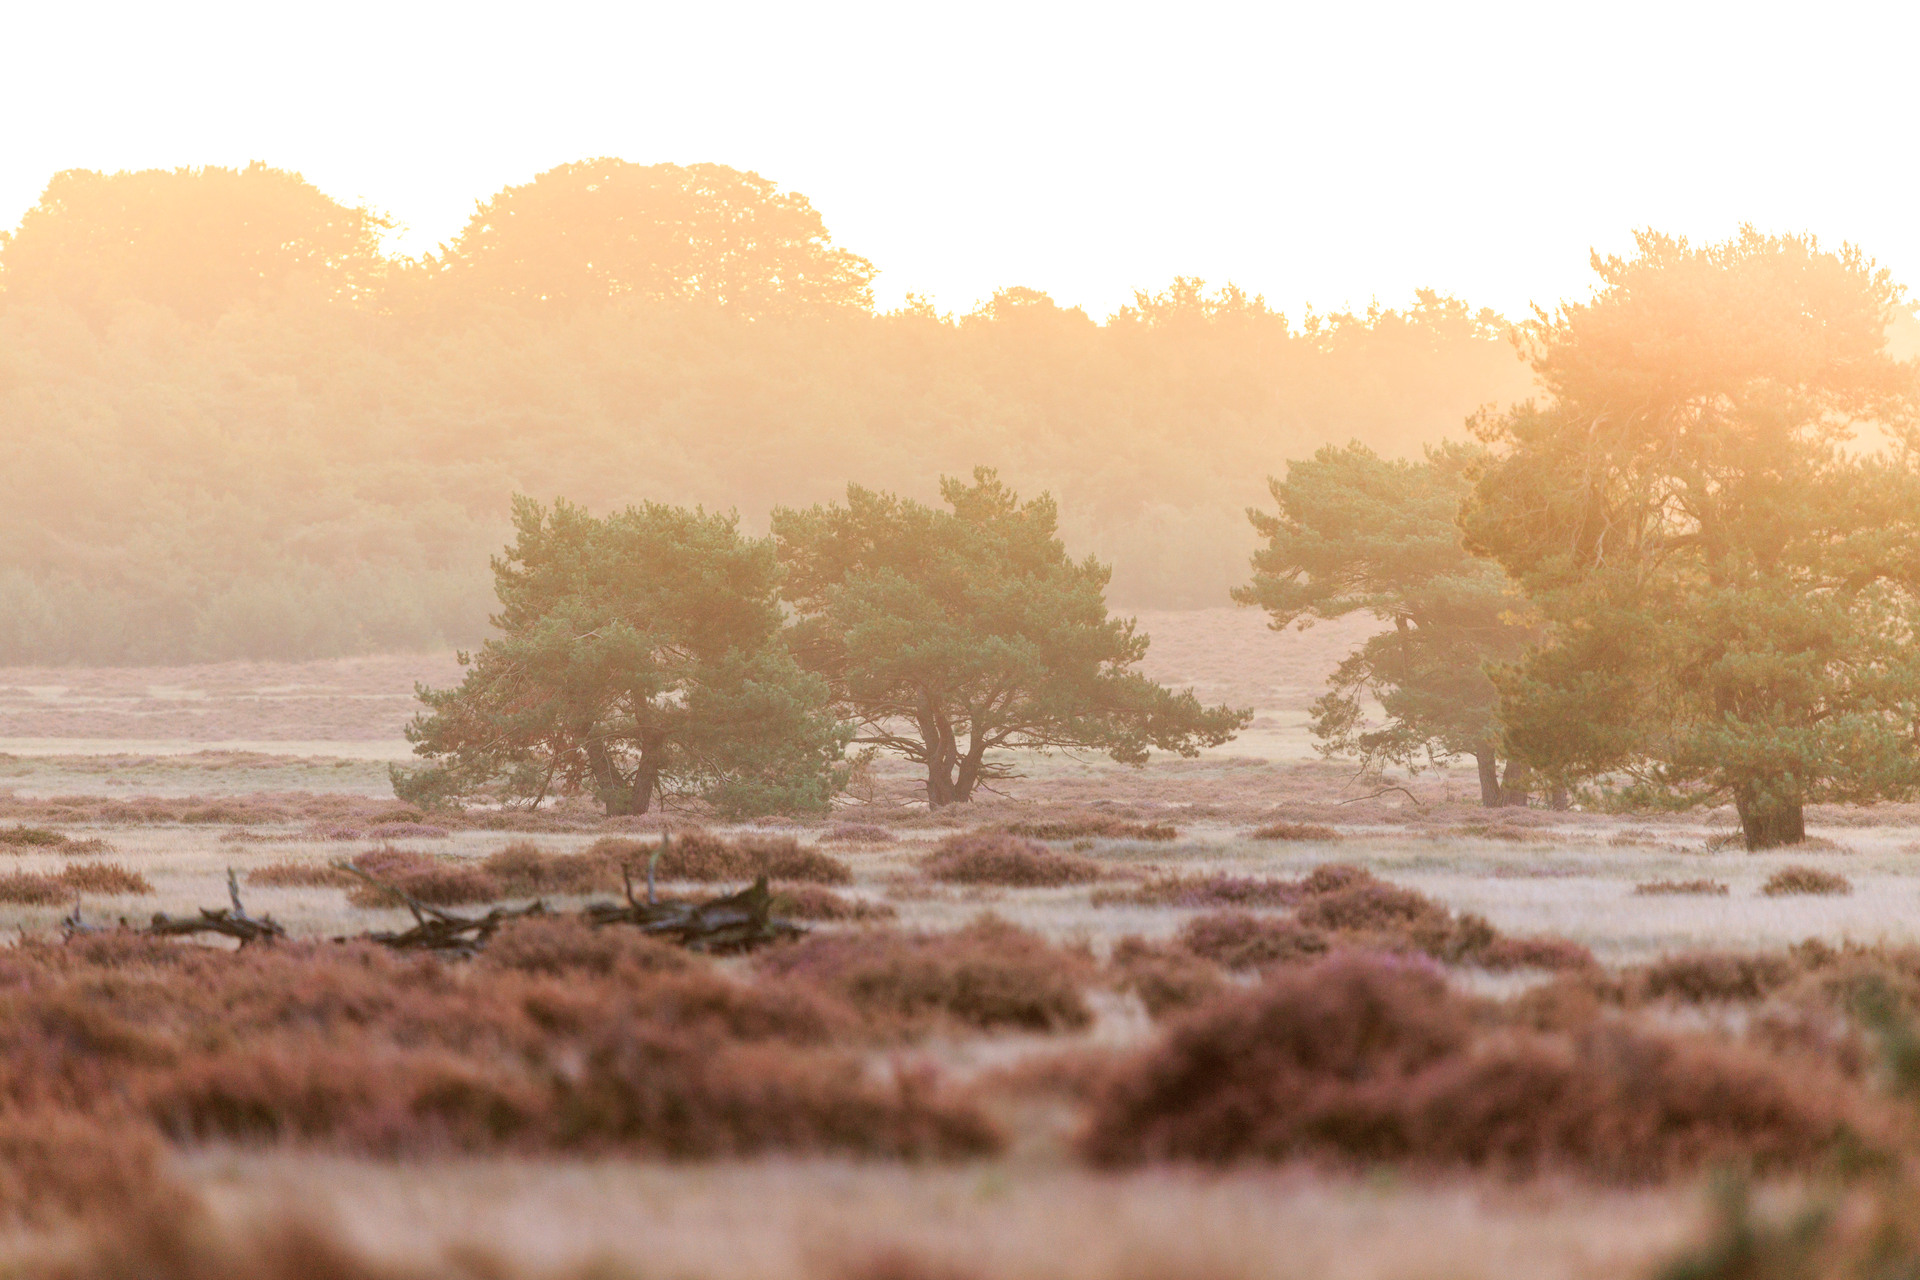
(103, 877)
(562, 945)
(24, 838)
(996, 858)
(301, 875)
(990, 974)
(701, 856)
(26, 889)
(1368, 1058)
(857, 833)
(1293, 831)
(1091, 827)
(403, 831)
(1167, 979)
(525, 871)
(1809, 880)
(1556, 955)
(436, 881)
(1372, 906)
(1700, 976)
(1241, 940)
(1203, 891)
(784, 858)
(812, 902)
(1708, 888)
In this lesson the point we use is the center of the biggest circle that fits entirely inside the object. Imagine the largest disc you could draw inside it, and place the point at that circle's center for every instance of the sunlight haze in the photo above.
(1317, 154)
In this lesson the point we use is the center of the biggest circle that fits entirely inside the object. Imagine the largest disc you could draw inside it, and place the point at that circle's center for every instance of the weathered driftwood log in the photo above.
(233, 922)
(435, 929)
(738, 922)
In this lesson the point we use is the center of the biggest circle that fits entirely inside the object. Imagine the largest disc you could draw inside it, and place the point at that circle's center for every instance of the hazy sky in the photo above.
(1326, 153)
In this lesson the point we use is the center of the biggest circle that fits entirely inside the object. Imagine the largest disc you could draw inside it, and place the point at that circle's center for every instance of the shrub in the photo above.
(996, 858)
(1293, 831)
(1241, 940)
(1704, 887)
(1373, 906)
(523, 870)
(1811, 880)
(857, 833)
(560, 945)
(22, 838)
(1203, 891)
(1549, 953)
(989, 974)
(1091, 827)
(439, 882)
(1699, 976)
(26, 889)
(301, 875)
(1369, 1058)
(811, 902)
(57, 1167)
(1166, 979)
(403, 830)
(103, 877)
(702, 856)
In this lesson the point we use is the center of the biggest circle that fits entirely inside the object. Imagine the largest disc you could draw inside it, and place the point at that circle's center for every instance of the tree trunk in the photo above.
(1489, 778)
(1767, 820)
(936, 730)
(1559, 800)
(969, 776)
(1517, 786)
(619, 795)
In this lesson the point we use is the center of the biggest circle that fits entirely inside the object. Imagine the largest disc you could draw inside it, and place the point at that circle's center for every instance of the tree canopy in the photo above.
(1727, 577)
(641, 657)
(197, 242)
(949, 634)
(1357, 532)
(602, 230)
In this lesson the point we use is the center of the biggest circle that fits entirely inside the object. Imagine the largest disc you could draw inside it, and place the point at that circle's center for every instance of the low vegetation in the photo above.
(999, 858)
(1805, 880)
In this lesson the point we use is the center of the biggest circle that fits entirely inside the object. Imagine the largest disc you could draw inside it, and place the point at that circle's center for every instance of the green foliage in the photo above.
(311, 454)
(948, 634)
(1358, 532)
(641, 656)
(1728, 586)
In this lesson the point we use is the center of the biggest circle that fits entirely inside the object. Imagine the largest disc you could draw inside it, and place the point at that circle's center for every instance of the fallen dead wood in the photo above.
(738, 922)
(435, 929)
(232, 922)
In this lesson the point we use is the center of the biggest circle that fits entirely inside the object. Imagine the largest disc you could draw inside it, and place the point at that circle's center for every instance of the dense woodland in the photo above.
(232, 427)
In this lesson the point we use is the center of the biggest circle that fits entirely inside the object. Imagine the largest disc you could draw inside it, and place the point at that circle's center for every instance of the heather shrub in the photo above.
(526, 871)
(302, 875)
(857, 833)
(1713, 888)
(1293, 831)
(437, 881)
(1372, 906)
(1700, 976)
(561, 945)
(1809, 880)
(701, 856)
(103, 877)
(28, 889)
(1332, 877)
(1166, 979)
(1203, 891)
(1549, 953)
(403, 830)
(997, 858)
(1242, 940)
(812, 902)
(784, 858)
(988, 974)
(1369, 1058)
(24, 839)
(1091, 827)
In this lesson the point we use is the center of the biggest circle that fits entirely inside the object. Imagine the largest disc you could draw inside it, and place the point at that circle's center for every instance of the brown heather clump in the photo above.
(812, 902)
(701, 856)
(1091, 827)
(103, 877)
(1708, 888)
(1166, 979)
(1808, 880)
(301, 875)
(857, 833)
(1367, 1058)
(28, 889)
(526, 871)
(997, 858)
(989, 974)
(1242, 940)
(437, 881)
(556, 946)
(1555, 955)
(1203, 891)
(1701, 976)
(1293, 831)
(24, 839)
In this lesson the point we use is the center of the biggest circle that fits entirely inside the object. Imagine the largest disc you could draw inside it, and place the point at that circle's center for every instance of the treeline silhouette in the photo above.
(234, 427)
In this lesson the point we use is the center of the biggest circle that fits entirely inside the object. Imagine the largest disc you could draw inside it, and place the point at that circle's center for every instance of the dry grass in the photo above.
(1090, 826)
(1293, 831)
(1203, 891)
(1706, 888)
(701, 856)
(24, 839)
(301, 875)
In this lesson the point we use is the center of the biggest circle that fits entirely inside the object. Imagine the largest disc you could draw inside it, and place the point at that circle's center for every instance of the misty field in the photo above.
(931, 1084)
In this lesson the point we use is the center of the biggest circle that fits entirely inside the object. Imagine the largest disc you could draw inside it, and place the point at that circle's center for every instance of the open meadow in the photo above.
(985, 1059)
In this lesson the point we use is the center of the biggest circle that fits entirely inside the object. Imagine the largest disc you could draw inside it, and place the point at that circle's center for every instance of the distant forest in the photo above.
(231, 427)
